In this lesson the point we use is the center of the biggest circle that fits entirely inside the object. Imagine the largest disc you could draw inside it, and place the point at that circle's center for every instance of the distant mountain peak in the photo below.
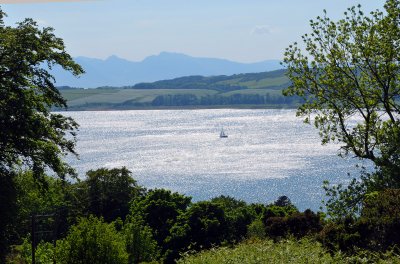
(117, 71)
(167, 55)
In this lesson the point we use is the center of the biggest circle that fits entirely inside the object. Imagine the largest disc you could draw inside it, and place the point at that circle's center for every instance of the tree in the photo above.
(348, 74)
(31, 137)
(35, 199)
(283, 201)
(238, 216)
(140, 243)
(109, 192)
(159, 210)
(92, 241)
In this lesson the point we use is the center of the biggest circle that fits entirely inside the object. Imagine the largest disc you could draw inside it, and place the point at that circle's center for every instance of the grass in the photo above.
(73, 94)
(264, 83)
(285, 251)
(118, 96)
(256, 83)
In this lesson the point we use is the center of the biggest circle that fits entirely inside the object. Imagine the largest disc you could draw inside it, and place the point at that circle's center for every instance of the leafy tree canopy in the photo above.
(109, 191)
(350, 69)
(30, 135)
(159, 209)
(348, 73)
(92, 241)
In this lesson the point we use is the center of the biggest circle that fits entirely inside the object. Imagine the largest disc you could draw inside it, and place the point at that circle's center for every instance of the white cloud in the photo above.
(263, 30)
(42, 22)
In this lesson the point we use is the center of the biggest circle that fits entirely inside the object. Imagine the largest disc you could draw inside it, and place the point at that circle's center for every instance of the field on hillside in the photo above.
(260, 90)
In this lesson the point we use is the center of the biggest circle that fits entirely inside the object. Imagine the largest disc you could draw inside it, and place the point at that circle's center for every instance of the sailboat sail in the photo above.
(222, 134)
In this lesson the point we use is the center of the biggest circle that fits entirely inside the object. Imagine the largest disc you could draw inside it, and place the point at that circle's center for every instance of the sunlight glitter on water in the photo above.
(268, 152)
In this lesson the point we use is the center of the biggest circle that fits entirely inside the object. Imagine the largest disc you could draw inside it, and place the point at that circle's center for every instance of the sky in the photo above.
(237, 30)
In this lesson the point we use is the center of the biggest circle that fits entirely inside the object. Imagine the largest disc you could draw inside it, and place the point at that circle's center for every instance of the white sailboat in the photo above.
(222, 134)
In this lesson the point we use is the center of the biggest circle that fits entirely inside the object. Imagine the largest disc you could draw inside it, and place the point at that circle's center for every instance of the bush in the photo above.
(256, 229)
(44, 253)
(92, 241)
(238, 217)
(341, 235)
(159, 210)
(377, 229)
(109, 191)
(202, 226)
(140, 243)
(381, 217)
(297, 225)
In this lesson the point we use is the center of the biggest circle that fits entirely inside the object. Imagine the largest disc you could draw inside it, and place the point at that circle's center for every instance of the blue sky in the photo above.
(238, 30)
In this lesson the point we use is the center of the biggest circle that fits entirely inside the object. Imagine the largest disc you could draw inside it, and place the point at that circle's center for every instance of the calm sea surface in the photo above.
(268, 152)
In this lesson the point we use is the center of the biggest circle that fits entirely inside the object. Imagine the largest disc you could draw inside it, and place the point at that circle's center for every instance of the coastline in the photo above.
(194, 107)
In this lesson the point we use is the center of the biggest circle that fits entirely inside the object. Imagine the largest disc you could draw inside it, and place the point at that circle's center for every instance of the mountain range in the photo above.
(117, 72)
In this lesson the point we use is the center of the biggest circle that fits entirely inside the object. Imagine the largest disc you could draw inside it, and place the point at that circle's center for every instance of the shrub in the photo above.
(256, 229)
(238, 216)
(381, 215)
(44, 253)
(297, 225)
(377, 229)
(202, 226)
(92, 241)
(109, 191)
(140, 243)
(159, 210)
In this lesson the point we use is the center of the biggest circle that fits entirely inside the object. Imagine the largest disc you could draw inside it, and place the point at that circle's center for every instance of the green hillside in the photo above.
(252, 90)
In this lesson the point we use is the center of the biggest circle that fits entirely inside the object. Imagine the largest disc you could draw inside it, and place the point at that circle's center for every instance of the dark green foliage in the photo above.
(44, 253)
(45, 197)
(342, 235)
(381, 214)
(139, 240)
(92, 241)
(283, 201)
(377, 229)
(238, 216)
(8, 212)
(30, 134)
(202, 226)
(109, 192)
(29, 197)
(256, 230)
(207, 224)
(31, 137)
(278, 211)
(159, 210)
(296, 224)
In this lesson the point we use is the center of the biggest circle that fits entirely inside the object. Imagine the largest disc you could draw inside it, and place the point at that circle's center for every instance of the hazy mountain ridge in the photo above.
(117, 72)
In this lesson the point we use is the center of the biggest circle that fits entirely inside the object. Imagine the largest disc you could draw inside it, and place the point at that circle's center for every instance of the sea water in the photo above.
(268, 153)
